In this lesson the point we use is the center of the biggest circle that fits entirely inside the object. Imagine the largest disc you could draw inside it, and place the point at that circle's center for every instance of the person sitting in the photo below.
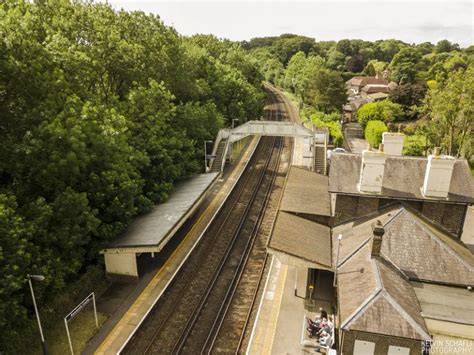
(323, 313)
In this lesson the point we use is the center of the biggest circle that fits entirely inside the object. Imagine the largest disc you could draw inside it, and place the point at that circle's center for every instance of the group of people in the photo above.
(321, 328)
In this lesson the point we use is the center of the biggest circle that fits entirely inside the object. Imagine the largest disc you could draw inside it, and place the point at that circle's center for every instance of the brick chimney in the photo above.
(438, 174)
(372, 170)
(393, 143)
(378, 232)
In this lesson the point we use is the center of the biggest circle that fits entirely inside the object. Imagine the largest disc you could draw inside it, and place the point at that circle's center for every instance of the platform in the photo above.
(280, 327)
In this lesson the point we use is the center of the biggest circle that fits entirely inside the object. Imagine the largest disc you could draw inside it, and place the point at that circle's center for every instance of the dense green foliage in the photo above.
(101, 112)
(449, 114)
(373, 132)
(315, 73)
(385, 110)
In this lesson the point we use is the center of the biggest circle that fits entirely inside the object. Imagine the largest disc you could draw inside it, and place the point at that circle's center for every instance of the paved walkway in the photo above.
(353, 134)
(140, 299)
(280, 327)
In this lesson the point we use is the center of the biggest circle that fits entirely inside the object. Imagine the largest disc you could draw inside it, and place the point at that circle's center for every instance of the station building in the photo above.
(386, 228)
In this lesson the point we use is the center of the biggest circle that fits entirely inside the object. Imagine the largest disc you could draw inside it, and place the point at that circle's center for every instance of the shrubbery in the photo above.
(385, 110)
(373, 132)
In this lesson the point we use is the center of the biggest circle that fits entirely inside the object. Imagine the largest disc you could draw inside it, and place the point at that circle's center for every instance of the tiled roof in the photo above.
(373, 297)
(452, 304)
(370, 89)
(424, 253)
(302, 238)
(403, 177)
(356, 281)
(306, 192)
(366, 80)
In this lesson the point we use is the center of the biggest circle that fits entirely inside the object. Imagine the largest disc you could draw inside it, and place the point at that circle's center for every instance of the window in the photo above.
(398, 350)
(362, 347)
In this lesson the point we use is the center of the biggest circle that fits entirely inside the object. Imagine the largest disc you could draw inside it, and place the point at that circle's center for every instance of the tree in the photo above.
(405, 66)
(449, 113)
(409, 96)
(369, 70)
(355, 64)
(326, 91)
(345, 47)
(373, 132)
(446, 46)
(336, 60)
(380, 110)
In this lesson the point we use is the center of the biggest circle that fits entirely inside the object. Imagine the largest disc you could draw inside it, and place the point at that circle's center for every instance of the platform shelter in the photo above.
(149, 233)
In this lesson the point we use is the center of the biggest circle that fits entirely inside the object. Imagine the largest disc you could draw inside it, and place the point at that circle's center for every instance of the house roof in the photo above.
(378, 95)
(433, 256)
(414, 246)
(374, 297)
(452, 304)
(366, 80)
(306, 192)
(301, 238)
(373, 88)
(403, 178)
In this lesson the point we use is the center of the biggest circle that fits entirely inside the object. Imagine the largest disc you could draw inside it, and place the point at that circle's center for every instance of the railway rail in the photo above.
(209, 304)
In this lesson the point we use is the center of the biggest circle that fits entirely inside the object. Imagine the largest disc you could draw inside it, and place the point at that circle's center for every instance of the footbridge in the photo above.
(318, 140)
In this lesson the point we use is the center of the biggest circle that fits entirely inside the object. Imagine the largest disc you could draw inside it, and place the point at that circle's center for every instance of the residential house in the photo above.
(364, 89)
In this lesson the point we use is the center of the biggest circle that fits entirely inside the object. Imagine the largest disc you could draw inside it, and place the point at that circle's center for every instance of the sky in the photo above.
(411, 21)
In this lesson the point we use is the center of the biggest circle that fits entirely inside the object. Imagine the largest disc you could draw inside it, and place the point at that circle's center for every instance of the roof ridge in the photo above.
(354, 252)
(378, 278)
(392, 218)
(405, 315)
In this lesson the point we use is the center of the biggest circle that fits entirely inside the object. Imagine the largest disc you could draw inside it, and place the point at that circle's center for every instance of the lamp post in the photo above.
(37, 278)
(232, 144)
(205, 155)
(339, 237)
(233, 122)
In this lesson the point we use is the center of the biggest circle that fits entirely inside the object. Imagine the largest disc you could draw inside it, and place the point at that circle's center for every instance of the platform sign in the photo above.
(71, 315)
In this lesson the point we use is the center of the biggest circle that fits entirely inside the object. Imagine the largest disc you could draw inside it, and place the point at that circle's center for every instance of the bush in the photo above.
(385, 110)
(373, 132)
(331, 121)
(409, 129)
(414, 145)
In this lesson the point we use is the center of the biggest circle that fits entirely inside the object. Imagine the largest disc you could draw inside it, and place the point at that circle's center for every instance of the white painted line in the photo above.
(303, 329)
(190, 251)
(260, 307)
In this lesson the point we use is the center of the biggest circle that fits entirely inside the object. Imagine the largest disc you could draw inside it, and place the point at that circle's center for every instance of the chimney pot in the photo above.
(378, 231)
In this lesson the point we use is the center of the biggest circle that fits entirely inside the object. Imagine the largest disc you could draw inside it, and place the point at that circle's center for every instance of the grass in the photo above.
(82, 329)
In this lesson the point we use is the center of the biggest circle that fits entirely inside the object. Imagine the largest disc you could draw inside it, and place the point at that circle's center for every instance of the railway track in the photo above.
(209, 304)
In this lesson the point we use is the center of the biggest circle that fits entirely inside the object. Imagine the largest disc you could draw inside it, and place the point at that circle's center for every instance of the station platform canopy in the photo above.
(150, 232)
(301, 234)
